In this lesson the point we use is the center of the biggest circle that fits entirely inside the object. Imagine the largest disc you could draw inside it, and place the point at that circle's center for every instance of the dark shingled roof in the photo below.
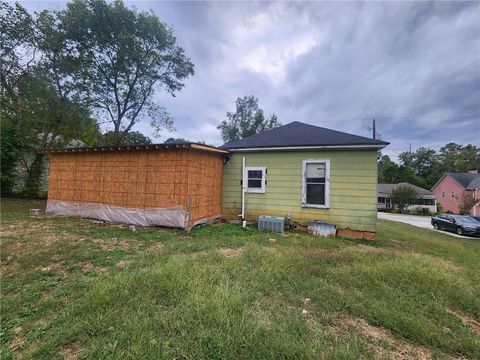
(467, 180)
(300, 134)
(388, 188)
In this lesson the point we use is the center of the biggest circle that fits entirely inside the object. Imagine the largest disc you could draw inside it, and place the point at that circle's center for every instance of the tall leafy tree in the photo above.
(131, 138)
(387, 170)
(248, 119)
(49, 120)
(425, 166)
(41, 104)
(18, 51)
(130, 56)
(18, 54)
(456, 157)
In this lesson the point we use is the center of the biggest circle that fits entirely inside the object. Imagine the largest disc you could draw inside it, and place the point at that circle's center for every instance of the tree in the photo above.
(467, 202)
(40, 101)
(403, 196)
(18, 55)
(18, 51)
(425, 166)
(247, 120)
(460, 158)
(131, 138)
(176, 141)
(387, 170)
(130, 55)
(45, 120)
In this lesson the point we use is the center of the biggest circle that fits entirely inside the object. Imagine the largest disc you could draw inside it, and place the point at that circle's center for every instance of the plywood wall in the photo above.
(140, 179)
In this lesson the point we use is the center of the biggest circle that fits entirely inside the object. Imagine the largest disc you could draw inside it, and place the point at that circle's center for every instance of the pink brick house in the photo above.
(451, 186)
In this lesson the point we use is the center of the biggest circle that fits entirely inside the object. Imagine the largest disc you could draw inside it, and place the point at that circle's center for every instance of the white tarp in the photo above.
(170, 217)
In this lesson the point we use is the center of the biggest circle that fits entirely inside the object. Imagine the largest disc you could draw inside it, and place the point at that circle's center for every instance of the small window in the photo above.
(453, 195)
(443, 193)
(381, 200)
(254, 179)
(316, 183)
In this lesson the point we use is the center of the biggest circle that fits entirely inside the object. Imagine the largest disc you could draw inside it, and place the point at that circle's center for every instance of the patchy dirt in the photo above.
(26, 228)
(17, 330)
(59, 268)
(367, 249)
(121, 264)
(379, 336)
(22, 239)
(111, 244)
(270, 249)
(16, 344)
(467, 320)
(230, 253)
(157, 246)
(70, 352)
(87, 266)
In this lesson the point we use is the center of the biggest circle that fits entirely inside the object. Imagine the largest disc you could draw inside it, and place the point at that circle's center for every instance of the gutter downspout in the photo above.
(242, 215)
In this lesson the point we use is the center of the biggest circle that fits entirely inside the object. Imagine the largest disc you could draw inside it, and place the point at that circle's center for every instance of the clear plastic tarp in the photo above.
(169, 217)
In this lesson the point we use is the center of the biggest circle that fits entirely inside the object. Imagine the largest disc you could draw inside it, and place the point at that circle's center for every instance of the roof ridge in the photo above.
(297, 133)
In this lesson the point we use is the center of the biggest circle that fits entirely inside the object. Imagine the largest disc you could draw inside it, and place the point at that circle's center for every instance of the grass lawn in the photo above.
(73, 288)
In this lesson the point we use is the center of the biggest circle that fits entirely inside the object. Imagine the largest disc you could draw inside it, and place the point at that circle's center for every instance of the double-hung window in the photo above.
(316, 183)
(254, 179)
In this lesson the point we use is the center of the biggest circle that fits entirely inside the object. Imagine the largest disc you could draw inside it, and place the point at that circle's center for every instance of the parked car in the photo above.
(476, 218)
(462, 225)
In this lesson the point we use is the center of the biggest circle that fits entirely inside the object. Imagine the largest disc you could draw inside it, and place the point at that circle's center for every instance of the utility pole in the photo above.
(373, 130)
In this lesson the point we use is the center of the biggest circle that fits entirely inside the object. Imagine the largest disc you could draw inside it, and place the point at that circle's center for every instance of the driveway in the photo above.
(419, 221)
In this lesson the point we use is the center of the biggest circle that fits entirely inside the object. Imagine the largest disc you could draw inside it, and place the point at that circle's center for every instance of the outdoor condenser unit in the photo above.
(271, 223)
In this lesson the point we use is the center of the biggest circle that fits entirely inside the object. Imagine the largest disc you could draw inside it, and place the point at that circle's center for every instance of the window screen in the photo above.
(254, 179)
(315, 176)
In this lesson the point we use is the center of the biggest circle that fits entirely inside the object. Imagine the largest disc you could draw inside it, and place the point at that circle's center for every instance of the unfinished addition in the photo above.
(173, 185)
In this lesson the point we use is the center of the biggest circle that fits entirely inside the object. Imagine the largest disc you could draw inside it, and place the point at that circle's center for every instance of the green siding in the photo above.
(353, 187)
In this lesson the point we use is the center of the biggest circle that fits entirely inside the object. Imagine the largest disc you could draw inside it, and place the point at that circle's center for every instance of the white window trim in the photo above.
(263, 169)
(327, 184)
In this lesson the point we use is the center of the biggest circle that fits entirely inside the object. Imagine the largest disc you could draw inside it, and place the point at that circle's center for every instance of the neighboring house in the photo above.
(451, 186)
(25, 163)
(309, 172)
(426, 197)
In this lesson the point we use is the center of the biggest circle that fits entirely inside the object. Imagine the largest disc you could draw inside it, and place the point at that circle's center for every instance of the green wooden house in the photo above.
(309, 172)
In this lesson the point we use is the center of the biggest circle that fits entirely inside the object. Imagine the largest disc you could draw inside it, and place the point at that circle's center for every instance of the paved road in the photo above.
(419, 221)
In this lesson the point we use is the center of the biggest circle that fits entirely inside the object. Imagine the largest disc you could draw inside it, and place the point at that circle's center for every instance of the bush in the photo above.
(439, 208)
(403, 196)
(421, 211)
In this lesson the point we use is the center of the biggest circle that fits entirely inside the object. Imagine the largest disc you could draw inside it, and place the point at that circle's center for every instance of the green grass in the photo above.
(72, 288)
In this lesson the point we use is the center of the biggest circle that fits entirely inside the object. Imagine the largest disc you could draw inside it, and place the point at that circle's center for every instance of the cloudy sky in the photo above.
(413, 66)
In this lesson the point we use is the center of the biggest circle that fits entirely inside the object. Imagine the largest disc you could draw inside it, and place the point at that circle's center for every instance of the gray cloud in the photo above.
(414, 66)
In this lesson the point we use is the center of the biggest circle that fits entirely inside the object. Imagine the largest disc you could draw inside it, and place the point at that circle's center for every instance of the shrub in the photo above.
(403, 196)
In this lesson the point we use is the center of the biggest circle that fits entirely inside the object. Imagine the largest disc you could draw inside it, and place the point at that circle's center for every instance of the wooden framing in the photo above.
(165, 176)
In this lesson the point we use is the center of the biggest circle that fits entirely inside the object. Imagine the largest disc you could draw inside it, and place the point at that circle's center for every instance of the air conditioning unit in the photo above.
(271, 223)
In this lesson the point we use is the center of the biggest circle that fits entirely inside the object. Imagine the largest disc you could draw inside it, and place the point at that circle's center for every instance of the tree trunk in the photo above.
(34, 175)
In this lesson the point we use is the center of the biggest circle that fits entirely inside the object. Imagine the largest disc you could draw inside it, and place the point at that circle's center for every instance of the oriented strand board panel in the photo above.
(353, 187)
(142, 179)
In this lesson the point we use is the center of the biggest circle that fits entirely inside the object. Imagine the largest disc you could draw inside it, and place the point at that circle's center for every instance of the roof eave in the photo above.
(309, 147)
(93, 149)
